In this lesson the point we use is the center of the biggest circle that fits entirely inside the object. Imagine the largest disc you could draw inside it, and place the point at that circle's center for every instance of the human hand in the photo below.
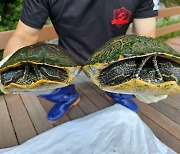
(150, 98)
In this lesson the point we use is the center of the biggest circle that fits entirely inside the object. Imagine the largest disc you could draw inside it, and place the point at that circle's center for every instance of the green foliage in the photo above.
(168, 21)
(169, 3)
(171, 35)
(1, 54)
(9, 13)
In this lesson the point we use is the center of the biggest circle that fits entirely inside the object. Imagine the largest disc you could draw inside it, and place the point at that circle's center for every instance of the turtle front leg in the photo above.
(139, 69)
(11, 76)
(54, 74)
(26, 73)
(28, 76)
(37, 72)
(159, 76)
(31, 75)
(148, 70)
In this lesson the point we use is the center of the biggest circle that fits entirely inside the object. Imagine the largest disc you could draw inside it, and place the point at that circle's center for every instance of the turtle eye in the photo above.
(53, 73)
(12, 75)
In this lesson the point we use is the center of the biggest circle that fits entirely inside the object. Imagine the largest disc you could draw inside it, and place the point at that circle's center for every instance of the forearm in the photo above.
(16, 42)
(145, 27)
(23, 36)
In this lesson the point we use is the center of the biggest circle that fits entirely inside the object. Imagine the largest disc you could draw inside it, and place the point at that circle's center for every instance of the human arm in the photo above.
(144, 20)
(145, 26)
(32, 19)
(23, 36)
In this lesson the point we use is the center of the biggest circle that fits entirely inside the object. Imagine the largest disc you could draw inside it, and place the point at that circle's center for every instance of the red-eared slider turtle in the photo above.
(37, 67)
(137, 65)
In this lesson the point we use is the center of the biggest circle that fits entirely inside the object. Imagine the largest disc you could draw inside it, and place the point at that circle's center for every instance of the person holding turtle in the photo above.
(82, 27)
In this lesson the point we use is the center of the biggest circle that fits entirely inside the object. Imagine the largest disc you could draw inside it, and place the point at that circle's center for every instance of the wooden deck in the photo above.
(23, 117)
(174, 43)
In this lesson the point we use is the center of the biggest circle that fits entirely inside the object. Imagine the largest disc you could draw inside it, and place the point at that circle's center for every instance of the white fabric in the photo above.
(5, 59)
(150, 98)
(114, 130)
(156, 4)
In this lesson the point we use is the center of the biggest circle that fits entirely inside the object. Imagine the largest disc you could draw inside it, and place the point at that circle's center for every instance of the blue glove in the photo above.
(63, 98)
(124, 99)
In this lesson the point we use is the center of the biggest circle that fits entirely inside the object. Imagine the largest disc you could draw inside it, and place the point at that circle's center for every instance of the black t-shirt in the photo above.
(84, 25)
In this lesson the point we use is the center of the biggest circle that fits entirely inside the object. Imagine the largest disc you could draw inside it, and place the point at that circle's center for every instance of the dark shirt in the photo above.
(84, 25)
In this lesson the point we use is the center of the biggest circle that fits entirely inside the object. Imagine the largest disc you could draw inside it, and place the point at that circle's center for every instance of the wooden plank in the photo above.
(101, 92)
(167, 29)
(174, 43)
(167, 109)
(37, 113)
(159, 119)
(62, 120)
(22, 123)
(85, 104)
(96, 98)
(176, 101)
(166, 12)
(8, 137)
(47, 106)
(175, 40)
(75, 113)
(161, 133)
(83, 77)
(99, 100)
(47, 33)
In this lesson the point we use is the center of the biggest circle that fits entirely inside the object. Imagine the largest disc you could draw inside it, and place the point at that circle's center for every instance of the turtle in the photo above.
(133, 64)
(37, 67)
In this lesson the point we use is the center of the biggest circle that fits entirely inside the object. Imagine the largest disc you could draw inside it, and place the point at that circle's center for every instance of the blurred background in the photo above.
(10, 12)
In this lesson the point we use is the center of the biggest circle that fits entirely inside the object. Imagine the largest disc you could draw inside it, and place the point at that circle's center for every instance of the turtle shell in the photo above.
(135, 64)
(37, 67)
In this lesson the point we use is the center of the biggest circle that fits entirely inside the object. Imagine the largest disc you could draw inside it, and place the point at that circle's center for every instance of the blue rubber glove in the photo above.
(124, 99)
(63, 98)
